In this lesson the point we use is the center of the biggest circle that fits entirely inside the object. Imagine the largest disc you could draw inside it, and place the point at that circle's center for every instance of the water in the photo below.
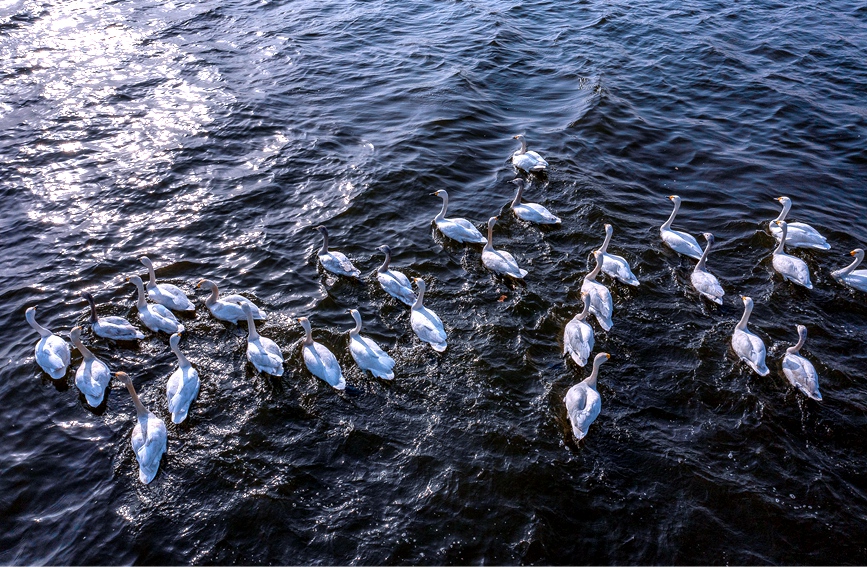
(212, 136)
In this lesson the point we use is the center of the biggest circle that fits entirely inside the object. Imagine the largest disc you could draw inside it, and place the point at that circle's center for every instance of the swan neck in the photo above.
(308, 335)
(670, 220)
(604, 247)
(781, 246)
(357, 328)
(324, 249)
(384, 267)
(419, 300)
(85, 352)
(182, 360)
(592, 275)
(153, 277)
(31, 318)
(801, 340)
(214, 297)
(140, 410)
(594, 376)
(94, 318)
(517, 200)
(851, 267)
(253, 334)
(141, 304)
(782, 216)
(586, 310)
(523, 146)
(489, 245)
(700, 266)
(742, 324)
(442, 214)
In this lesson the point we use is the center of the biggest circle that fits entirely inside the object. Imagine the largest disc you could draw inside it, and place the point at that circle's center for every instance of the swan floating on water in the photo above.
(791, 268)
(615, 266)
(528, 161)
(426, 324)
(228, 308)
(531, 212)
(856, 279)
(601, 303)
(335, 262)
(680, 242)
(148, 436)
(578, 335)
(93, 376)
(458, 229)
(320, 361)
(367, 354)
(705, 282)
(52, 352)
(183, 385)
(168, 295)
(748, 346)
(114, 328)
(395, 283)
(583, 402)
(799, 370)
(499, 261)
(800, 235)
(155, 317)
(262, 352)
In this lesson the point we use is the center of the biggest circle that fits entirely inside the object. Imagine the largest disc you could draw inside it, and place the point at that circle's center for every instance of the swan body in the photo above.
(183, 385)
(856, 279)
(615, 266)
(601, 304)
(528, 161)
(800, 371)
(531, 212)
(583, 403)
(680, 242)
(114, 328)
(578, 335)
(395, 283)
(52, 352)
(791, 268)
(335, 262)
(320, 361)
(228, 308)
(93, 376)
(168, 295)
(705, 282)
(367, 354)
(458, 229)
(148, 436)
(155, 317)
(800, 235)
(499, 261)
(425, 323)
(262, 352)
(748, 346)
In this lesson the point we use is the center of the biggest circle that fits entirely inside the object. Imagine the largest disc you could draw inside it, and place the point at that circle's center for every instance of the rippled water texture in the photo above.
(212, 136)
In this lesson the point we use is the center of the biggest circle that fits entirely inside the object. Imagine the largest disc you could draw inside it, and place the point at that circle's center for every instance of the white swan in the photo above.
(262, 352)
(395, 283)
(52, 352)
(531, 212)
(615, 266)
(228, 308)
(528, 161)
(799, 370)
(748, 346)
(499, 261)
(93, 375)
(169, 295)
(114, 328)
(791, 268)
(426, 324)
(800, 235)
(320, 361)
(680, 242)
(155, 317)
(335, 262)
(601, 303)
(705, 282)
(367, 354)
(578, 335)
(183, 385)
(583, 402)
(856, 279)
(461, 230)
(148, 436)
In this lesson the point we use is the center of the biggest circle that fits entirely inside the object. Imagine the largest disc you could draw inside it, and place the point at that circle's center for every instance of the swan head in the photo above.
(305, 323)
(492, 221)
(441, 193)
(419, 282)
(385, 249)
(783, 200)
(146, 261)
(355, 315)
(135, 280)
(598, 255)
(748, 301)
(86, 296)
(601, 357)
(207, 284)
(857, 252)
(518, 181)
(519, 137)
(781, 223)
(321, 228)
(175, 340)
(709, 237)
(609, 229)
(123, 377)
(802, 332)
(245, 307)
(674, 199)
(75, 334)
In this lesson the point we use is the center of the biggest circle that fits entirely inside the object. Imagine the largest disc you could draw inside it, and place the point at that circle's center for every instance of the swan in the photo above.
(169, 295)
(262, 352)
(615, 266)
(800, 235)
(791, 268)
(228, 308)
(528, 161)
(335, 262)
(52, 352)
(320, 361)
(799, 370)
(426, 324)
(705, 282)
(531, 212)
(748, 346)
(155, 317)
(601, 303)
(148, 436)
(114, 328)
(367, 354)
(856, 279)
(93, 375)
(183, 385)
(395, 283)
(578, 335)
(680, 242)
(583, 403)
(461, 230)
(499, 261)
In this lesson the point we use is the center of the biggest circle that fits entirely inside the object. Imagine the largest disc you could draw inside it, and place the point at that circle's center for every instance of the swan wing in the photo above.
(800, 235)
(793, 268)
(322, 363)
(394, 288)
(53, 356)
(583, 405)
(170, 296)
(369, 356)
(239, 300)
(751, 350)
(706, 284)
(601, 304)
(159, 318)
(265, 355)
(149, 448)
(429, 328)
(337, 263)
(802, 374)
(461, 230)
(532, 212)
(618, 268)
(682, 243)
(856, 280)
(116, 328)
(502, 262)
(181, 389)
(578, 340)
(91, 378)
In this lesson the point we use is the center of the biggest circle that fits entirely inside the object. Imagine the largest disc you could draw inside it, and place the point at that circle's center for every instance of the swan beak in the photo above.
(436, 193)
(744, 297)
(671, 197)
(514, 137)
(778, 199)
(607, 356)
(852, 253)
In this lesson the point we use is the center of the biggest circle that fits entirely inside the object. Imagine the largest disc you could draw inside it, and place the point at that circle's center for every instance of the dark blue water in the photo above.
(212, 135)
